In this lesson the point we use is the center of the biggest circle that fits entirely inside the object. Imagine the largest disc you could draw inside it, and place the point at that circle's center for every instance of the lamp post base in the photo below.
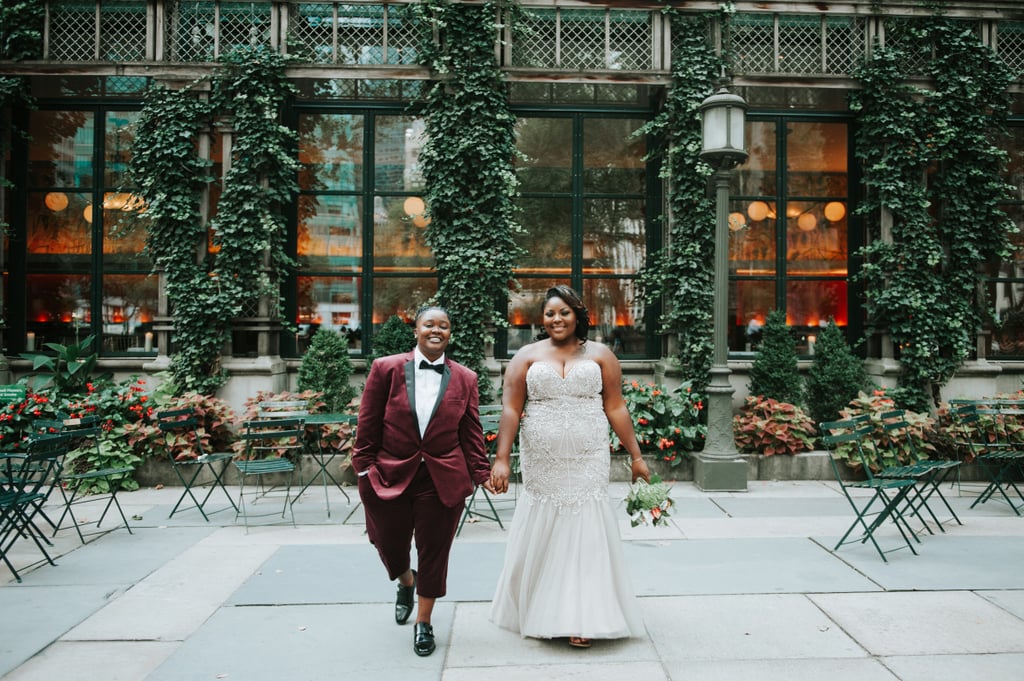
(719, 475)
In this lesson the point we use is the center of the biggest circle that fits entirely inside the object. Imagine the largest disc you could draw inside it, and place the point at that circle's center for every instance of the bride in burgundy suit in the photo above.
(419, 452)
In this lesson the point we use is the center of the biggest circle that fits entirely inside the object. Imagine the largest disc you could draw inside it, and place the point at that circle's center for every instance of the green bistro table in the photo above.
(323, 458)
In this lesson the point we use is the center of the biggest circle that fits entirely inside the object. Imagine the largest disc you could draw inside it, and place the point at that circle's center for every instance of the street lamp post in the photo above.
(719, 466)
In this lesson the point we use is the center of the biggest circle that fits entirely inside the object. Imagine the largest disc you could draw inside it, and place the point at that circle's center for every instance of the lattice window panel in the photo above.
(753, 43)
(582, 39)
(338, 33)
(629, 40)
(72, 31)
(192, 31)
(916, 53)
(311, 32)
(1010, 46)
(243, 24)
(533, 44)
(123, 31)
(800, 44)
(202, 31)
(845, 43)
(251, 308)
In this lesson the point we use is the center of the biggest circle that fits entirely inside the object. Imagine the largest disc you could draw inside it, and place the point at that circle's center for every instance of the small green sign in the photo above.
(11, 393)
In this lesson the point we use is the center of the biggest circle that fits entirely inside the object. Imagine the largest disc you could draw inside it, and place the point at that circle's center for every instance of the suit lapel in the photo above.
(410, 391)
(445, 377)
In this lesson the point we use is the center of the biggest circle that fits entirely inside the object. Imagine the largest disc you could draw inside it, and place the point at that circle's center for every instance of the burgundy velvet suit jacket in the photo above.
(388, 442)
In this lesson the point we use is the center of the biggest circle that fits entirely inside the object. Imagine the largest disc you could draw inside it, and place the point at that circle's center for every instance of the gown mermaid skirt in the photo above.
(564, 572)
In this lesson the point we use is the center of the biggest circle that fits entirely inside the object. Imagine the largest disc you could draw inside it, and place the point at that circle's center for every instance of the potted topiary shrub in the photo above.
(774, 373)
(326, 368)
(394, 336)
(836, 376)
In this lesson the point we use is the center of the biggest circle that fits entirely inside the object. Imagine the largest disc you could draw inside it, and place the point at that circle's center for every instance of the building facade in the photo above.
(583, 78)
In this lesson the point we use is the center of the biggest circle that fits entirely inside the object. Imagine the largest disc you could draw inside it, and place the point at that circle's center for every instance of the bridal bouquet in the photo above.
(648, 502)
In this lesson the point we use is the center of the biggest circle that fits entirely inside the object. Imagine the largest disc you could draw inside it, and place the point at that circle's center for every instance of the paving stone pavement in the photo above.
(736, 586)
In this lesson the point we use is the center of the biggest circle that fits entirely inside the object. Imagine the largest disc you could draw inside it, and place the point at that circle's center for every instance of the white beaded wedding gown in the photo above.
(564, 572)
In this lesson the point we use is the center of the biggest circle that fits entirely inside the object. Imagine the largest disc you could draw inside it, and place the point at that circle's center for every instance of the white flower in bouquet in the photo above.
(648, 502)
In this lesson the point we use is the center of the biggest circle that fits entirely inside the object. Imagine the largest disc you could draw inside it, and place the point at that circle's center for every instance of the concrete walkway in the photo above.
(738, 586)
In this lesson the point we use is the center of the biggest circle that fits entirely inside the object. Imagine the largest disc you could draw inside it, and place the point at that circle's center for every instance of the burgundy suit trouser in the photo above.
(417, 512)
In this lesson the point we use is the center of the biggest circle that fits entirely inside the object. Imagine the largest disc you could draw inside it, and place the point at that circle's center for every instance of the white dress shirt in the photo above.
(428, 385)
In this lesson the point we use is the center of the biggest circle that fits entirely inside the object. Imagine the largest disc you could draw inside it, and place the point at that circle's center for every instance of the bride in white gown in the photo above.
(564, 572)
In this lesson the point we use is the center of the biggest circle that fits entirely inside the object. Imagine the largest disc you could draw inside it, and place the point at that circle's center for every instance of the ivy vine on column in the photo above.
(930, 159)
(21, 37)
(467, 164)
(207, 291)
(681, 274)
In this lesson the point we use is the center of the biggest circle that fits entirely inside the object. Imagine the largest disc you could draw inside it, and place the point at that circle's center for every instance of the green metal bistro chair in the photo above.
(26, 480)
(490, 417)
(929, 473)
(181, 429)
(324, 456)
(268, 445)
(84, 435)
(886, 496)
(989, 430)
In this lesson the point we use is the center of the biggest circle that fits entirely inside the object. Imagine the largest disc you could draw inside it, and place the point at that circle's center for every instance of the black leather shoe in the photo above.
(403, 602)
(423, 639)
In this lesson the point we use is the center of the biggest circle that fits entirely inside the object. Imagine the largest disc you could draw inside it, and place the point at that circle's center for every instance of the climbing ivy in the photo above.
(249, 256)
(930, 161)
(21, 37)
(681, 275)
(467, 163)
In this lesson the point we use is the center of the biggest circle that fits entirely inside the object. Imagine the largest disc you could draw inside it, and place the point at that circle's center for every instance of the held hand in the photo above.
(499, 477)
(640, 470)
(489, 486)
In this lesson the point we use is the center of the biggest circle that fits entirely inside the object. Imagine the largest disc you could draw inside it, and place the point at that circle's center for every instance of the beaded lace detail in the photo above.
(563, 437)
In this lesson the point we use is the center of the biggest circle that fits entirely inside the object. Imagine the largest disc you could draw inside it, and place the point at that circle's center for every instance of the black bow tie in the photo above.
(439, 368)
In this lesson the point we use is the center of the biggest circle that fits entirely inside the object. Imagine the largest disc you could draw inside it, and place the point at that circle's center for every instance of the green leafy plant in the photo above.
(467, 165)
(325, 368)
(249, 258)
(336, 436)
(115, 404)
(66, 371)
(680, 276)
(769, 427)
(836, 376)
(896, 448)
(215, 432)
(21, 38)
(394, 336)
(666, 421)
(16, 418)
(921, 284)
(774, 373)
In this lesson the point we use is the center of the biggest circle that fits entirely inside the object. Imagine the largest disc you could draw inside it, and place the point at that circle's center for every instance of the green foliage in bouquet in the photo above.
(648, 502)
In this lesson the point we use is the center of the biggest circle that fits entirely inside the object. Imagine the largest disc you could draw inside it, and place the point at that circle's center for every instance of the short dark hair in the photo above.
(423, 309)
(573, 300)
